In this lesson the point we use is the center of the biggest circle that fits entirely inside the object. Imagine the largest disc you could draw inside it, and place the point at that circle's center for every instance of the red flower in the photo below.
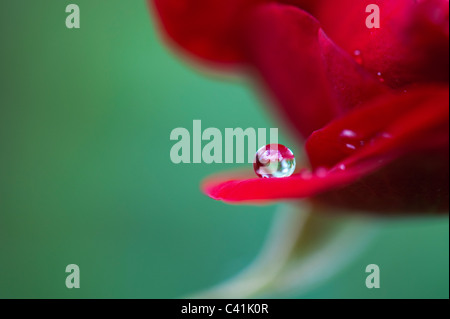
(372, 104)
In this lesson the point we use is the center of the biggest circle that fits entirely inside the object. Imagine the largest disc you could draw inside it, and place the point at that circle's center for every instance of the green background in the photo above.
(86, 178)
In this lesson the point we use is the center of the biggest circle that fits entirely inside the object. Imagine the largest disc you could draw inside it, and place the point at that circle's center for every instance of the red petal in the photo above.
(208, 29)
(397, 116)
(261, 190)
(411, 45)
(211, 29)
(424, 128)
(311, 77)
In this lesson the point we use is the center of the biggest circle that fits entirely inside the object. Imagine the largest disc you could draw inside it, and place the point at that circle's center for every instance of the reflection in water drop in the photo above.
(274, 161)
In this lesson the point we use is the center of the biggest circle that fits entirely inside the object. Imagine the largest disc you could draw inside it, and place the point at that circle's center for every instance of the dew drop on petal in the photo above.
(306, 174)
(385, 135)
(351, 140)
(358, 56)
(380, 136)
(380, 77)
(274, 161)
(348, 133)
(321, 172)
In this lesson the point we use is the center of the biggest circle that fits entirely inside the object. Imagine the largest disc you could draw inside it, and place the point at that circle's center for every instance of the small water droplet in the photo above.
(321, 172)
(274, 161)
(380, 77)
(358, 56)
(350, 140)
(379, 136)
(306, 174)
(348, 133)
(342, 167)
(384, 135)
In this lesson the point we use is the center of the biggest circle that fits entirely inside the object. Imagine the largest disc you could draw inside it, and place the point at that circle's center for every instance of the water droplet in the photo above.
(380, 136)
(384, 135)
(339, 168)
(321, 172)
(274, 161)
(358, 56)
(380, 77)
(306, 174)
(348, 133)
(351, 140)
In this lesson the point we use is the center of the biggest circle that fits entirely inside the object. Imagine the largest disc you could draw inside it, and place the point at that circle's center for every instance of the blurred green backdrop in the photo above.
(86, 176)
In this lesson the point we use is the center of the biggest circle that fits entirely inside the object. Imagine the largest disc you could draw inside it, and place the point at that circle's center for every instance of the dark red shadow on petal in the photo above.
(414, 183)
(313, 80)
(206, 29)
(211, 30)
(411, 46)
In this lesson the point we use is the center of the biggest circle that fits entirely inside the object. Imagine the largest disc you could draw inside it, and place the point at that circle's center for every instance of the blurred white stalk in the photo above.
(305, 247)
